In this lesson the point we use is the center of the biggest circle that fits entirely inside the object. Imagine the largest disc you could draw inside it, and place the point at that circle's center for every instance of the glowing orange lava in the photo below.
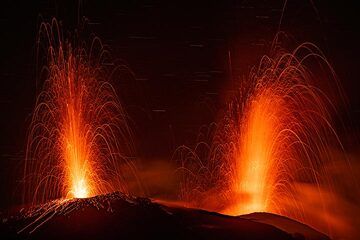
(273, 149)
(79, 143)
(281, 135)
(76, 146)
(256, 159)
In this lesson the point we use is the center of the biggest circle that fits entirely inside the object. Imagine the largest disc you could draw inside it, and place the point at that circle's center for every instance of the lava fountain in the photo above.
(272, 150)
(258, 151)
(79, 143)
(283, 130)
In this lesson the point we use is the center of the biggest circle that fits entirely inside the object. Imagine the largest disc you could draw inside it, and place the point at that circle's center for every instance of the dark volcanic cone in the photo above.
(120, 216)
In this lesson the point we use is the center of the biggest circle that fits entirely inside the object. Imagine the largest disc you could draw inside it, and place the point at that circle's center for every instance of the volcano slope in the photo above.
(120, 216)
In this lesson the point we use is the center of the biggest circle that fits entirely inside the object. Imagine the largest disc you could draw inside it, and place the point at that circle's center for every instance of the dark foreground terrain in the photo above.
(117, 216)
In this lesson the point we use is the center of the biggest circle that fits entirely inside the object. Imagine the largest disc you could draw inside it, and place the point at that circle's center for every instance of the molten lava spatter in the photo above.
(258, 151)
(79, 143)
(272, 150)
(281, 128)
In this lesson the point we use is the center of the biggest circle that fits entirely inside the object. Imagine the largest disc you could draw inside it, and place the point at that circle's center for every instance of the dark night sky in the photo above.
(179, 53)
